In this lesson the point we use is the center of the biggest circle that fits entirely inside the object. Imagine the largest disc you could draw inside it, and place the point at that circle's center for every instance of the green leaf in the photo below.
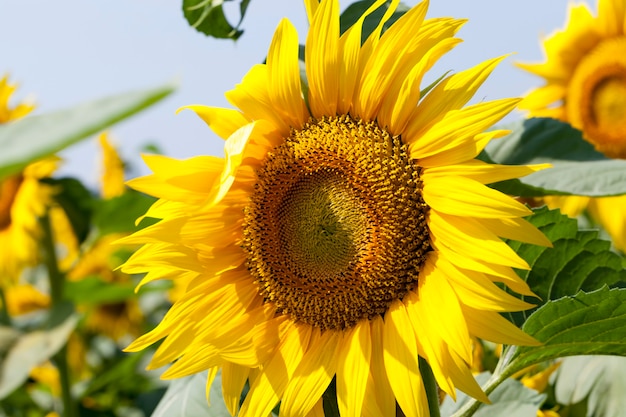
(92, 290)
(35, 137)
(601, 380)
(76, 201)
(353, 12)
(584, 324)
(187, 397)
(577, 261)
(32, 349)
(511, 399)
(207, 16)
(118, 214)
(577, 167)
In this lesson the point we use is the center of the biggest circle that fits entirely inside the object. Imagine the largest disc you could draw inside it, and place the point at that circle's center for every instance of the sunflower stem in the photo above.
(56, 279)
(5, 318)
(471, 406)
(430, 386)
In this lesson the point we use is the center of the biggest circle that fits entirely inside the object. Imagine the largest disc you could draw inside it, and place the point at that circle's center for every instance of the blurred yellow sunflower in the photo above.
(8, 113)
(341, 236)
(124, 317)
(22, 200)
(585, 75)
(24, 299)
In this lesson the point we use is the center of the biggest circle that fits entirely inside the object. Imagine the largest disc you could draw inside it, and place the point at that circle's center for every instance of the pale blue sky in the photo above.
(69, 51)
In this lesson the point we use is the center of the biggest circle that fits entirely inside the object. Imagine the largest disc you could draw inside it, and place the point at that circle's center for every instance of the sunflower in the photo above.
(22, 199)
(585, 74)
(343, 234)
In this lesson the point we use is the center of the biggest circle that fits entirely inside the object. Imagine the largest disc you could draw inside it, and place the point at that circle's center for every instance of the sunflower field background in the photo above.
(502, 267)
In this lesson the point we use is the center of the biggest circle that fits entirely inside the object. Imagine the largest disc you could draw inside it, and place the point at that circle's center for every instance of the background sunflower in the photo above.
(585, 74)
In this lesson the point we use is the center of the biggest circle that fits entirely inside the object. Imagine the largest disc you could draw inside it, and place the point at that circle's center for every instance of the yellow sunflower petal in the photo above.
(322, 59)
(475, 289)
(269, 386)
(457, 127)
(473, 240)
(483, 172)
(224, 122)
(489, 325)
(432, 348)
(350, 48)
(379, 395)
(284, 74)
(353, 370)
(380, 69)
(462, 153)
(401, 101)
(234, 378)
(543, 97)
(253, 98)
(450, 94)
(612, 17)
(457, 195)
(517, 229)
(400, 355)
(436, 294)
(314, 373)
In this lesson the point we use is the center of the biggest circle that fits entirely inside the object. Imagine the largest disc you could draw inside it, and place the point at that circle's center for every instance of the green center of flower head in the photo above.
(336, 228)
(8, 191)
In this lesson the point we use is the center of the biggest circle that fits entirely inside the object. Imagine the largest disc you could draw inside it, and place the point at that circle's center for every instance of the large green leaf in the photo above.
(583, 324)
(34, 137)
(577, 261)
(511, 399)
(577, 167)
(207, 16)
(188, 397)
(600, 380)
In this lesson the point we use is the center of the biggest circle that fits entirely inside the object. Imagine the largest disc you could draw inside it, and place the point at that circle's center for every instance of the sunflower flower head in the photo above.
(340, 237)
(585, 74)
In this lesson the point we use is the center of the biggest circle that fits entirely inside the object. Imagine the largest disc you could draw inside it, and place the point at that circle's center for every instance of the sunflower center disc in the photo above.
(336, 227)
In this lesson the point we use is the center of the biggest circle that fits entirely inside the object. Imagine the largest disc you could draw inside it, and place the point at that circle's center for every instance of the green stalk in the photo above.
(430, 386)
(57, 280)
(5, 318)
